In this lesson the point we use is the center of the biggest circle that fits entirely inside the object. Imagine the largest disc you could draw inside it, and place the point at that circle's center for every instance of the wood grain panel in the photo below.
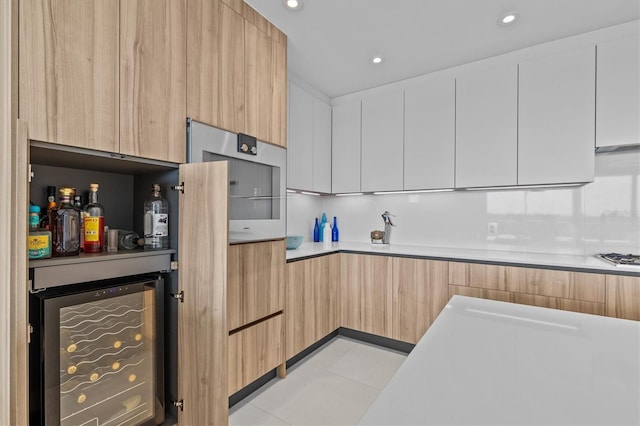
(420, 292)
(153, 79)
(311, 308)
(255, 351)
(202, 318)
(69, 72)
(458, 273)
(279, 94)
(258, 82)
(215, 64)
(482, 293)
(623, 297)
(238, 6)
(366, 293)
(19, 288)
(559, 303)
(256, 281)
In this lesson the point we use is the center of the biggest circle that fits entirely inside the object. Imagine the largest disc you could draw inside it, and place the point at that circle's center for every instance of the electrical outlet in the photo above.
(492, 229)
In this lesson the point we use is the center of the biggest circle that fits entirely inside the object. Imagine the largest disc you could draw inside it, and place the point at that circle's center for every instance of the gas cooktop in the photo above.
(621, 259)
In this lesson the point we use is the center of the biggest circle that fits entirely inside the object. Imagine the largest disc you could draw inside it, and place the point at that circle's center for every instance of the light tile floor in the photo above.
(334, 385)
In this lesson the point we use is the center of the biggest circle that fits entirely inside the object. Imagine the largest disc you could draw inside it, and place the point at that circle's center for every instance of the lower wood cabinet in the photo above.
(365, 293)
(254, 351)
(311, 305)
(256, 280)
(623, 297)
(566, 290)
(420, 292)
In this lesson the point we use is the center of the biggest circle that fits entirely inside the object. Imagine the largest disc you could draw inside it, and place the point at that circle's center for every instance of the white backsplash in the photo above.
(601, 216)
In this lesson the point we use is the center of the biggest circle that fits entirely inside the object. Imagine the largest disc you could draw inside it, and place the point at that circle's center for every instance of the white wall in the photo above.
(598, 217)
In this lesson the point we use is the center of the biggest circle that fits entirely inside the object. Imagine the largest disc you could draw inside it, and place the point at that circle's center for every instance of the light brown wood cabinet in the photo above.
(420, 292)
(623, 297)
(254, 351)
(236, 70)
(68, 67)
(366, 293)
(312, 304)
(153, 79)
(571, 291)
(105, 75)
(256, 282)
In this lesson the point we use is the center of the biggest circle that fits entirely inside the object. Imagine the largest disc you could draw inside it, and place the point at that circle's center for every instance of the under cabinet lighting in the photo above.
(348, 194)
(292, 191)
(309, 193)
(499, 188)
(412, 192)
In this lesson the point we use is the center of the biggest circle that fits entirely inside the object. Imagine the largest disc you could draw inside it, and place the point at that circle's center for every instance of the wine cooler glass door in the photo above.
(105, 373)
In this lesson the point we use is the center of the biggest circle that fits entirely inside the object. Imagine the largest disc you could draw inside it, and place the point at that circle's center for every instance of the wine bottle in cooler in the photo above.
(93, 223)
(156, 221)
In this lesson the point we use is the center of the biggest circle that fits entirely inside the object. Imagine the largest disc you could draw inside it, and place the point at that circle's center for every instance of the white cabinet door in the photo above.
(618, 92)
(556, 122)
(300, 146)
(429, 135)
(345, 150)
(382, 142)
(487, 128)
(321, 146)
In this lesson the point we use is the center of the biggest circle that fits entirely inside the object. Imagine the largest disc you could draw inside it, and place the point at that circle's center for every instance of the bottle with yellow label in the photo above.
(93, 219)
(39, 240)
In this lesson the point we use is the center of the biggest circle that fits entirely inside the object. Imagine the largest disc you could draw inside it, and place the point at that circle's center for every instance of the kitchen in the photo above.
(535, 221)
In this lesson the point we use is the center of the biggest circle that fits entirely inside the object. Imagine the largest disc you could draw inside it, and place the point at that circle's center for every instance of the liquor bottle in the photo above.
(39, 240)
(129, 240)
(334, 230)
(65, 227)
(93, 223)
(51, 204)
(156, 221)
(77, 203)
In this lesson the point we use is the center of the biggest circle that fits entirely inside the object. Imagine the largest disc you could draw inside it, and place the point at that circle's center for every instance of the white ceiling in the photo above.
(331, 41)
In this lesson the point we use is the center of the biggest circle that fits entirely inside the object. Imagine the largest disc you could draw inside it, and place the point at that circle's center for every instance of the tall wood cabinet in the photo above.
(623, 297)
(236, 70)
(69, 72)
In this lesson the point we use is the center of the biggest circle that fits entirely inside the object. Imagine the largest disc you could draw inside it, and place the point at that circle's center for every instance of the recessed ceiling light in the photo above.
(508, 18)
(293, 4)
(376, 60)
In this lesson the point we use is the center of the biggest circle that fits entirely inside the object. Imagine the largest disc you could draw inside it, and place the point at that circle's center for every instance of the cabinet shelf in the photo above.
(57, 271)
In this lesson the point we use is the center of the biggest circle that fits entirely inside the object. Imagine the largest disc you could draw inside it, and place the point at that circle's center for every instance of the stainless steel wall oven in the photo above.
(97, 353)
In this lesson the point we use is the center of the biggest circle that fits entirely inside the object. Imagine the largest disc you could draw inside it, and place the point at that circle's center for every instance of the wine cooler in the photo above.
(98, 349)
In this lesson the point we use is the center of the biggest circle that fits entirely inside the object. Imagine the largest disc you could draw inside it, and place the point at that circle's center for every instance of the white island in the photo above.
(485, 362)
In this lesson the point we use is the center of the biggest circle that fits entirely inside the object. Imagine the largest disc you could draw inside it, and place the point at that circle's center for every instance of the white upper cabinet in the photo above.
(300, 149)
(429, 135)
(345, 150)
(487, 128)
(321, 146)
(618, 92)
(556, 122)
(382, 142)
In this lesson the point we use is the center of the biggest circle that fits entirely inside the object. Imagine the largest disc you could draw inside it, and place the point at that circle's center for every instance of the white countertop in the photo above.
(485, 362)
(558, 261)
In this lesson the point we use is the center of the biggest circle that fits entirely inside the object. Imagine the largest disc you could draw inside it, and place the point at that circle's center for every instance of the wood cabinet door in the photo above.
(618, 92)
(487, 128)
(215, 65)
(345, 147)
(623, 297)
(311, 305)
(68, 67)
(153, 79)
(202, 318)
(256, 281)
(382, 153)
(365, 293)
(429, 135)
(420, 292)
(556, 118)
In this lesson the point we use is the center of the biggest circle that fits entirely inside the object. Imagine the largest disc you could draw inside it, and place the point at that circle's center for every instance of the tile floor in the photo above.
(334, 385)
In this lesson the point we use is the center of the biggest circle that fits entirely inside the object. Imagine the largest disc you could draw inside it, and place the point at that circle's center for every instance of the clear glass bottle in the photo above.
(77, 203)
(65, 227)
(93, 219)
(156, 221)
(39, 240)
